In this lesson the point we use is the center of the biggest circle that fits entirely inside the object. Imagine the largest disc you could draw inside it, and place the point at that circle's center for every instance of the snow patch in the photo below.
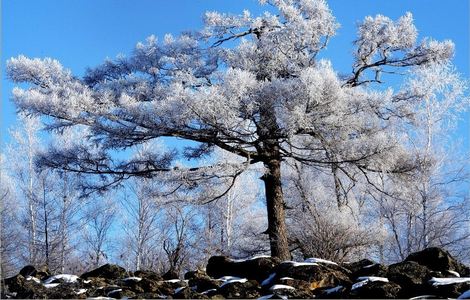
(454, 273)
(444, 281)
(33, 279)
(172, 280)
(114, 291)
(179, 289)
(281, 286)
(231, 279)
(86, 281)
(319, 260)
(132, 279)
(298, 264)
(465, 295)
(268, 280)
(333, 290)
(366, 279)
(80, 291)
(50, 285)
(286, 278)
(65, 277)
(251, 258)
(208, 291)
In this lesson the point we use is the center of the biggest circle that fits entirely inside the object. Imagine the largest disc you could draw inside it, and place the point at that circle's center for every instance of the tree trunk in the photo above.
(275, 205)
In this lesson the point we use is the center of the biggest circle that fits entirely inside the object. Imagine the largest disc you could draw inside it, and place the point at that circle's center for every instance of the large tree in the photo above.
(250, 85)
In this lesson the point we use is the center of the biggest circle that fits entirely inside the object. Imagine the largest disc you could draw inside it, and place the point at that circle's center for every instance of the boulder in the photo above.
(187, 293)
(258, 268)
(121, 293)
(15, 283)
(28, 271)
(411, 276)
(245, 290)
(316, 275)
(376, 290)
(438, 259)
(65, 291)
(171, 274)
(194, 274)
(204, 283)
(356, 266)
(375, 269)
(32, 290)
(107, 271)
(450, 289)
(148, 274)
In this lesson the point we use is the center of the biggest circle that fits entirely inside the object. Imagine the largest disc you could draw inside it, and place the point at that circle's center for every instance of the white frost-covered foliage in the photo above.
(252, 86)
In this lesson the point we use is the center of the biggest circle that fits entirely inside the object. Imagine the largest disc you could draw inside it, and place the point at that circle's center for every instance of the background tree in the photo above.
(264, 97)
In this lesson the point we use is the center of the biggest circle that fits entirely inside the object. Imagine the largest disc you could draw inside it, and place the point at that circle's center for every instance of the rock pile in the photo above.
(431, 273)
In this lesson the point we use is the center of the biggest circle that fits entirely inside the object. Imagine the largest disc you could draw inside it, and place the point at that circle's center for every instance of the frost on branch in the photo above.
(251, 86)
(383, 45)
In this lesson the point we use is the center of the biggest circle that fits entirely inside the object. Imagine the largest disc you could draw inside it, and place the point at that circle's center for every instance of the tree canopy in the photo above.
(253, 86)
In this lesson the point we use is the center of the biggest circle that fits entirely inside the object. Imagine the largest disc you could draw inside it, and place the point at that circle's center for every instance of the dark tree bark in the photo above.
(275, 207)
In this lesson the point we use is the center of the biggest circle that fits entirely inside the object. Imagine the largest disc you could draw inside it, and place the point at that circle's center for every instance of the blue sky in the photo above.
(83, 33)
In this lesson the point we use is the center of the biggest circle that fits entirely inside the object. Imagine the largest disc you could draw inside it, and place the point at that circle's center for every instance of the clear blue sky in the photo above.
(83, 33)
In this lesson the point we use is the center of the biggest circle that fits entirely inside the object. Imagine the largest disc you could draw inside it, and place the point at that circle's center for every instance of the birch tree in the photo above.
(250, 85)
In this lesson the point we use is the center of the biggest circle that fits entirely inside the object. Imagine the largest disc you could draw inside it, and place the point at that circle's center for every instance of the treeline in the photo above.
(48, 220)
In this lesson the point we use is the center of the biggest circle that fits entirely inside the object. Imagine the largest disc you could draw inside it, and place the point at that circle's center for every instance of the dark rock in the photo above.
(42, 272)
(171, 274)
(28, 271)
(204, 283)
(356, 266)
(452, 290)
(256, 268)
(107, 271)
(295, 283)
(188, 293)
(316, 275)
(149, 275)
(15, 283)
(65, 291)
(337, 292)
(411, 276)
(292, 293)
(245, 290)
(32, 290)
(438, 259)
(378, 270)
(376, 290)
(194, 274)
(121, 293)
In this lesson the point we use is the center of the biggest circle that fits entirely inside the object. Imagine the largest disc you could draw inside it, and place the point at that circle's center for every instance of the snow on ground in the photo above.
(171, 280)
(251, 258)
(179, 289)
(50, 285)
(319, 260)
(298, 264)
(454, 273)
(208, 291)
(114, 291)
(465, 295)
(443, 281)
(268, 280)
(286, 278)
(65, 277)
(333, 290)
(366, 279)
(281, 287)
(134, 279)
(231, 279)
(33, 279)
(81, 291)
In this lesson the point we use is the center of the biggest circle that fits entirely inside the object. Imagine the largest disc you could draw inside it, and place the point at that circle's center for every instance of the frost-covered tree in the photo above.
(250, 85)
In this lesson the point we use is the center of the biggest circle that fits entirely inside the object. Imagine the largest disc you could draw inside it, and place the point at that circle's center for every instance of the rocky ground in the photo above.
(431, 273)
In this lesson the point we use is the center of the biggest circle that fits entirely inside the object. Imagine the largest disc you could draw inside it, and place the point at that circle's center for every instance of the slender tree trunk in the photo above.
(275, 206)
